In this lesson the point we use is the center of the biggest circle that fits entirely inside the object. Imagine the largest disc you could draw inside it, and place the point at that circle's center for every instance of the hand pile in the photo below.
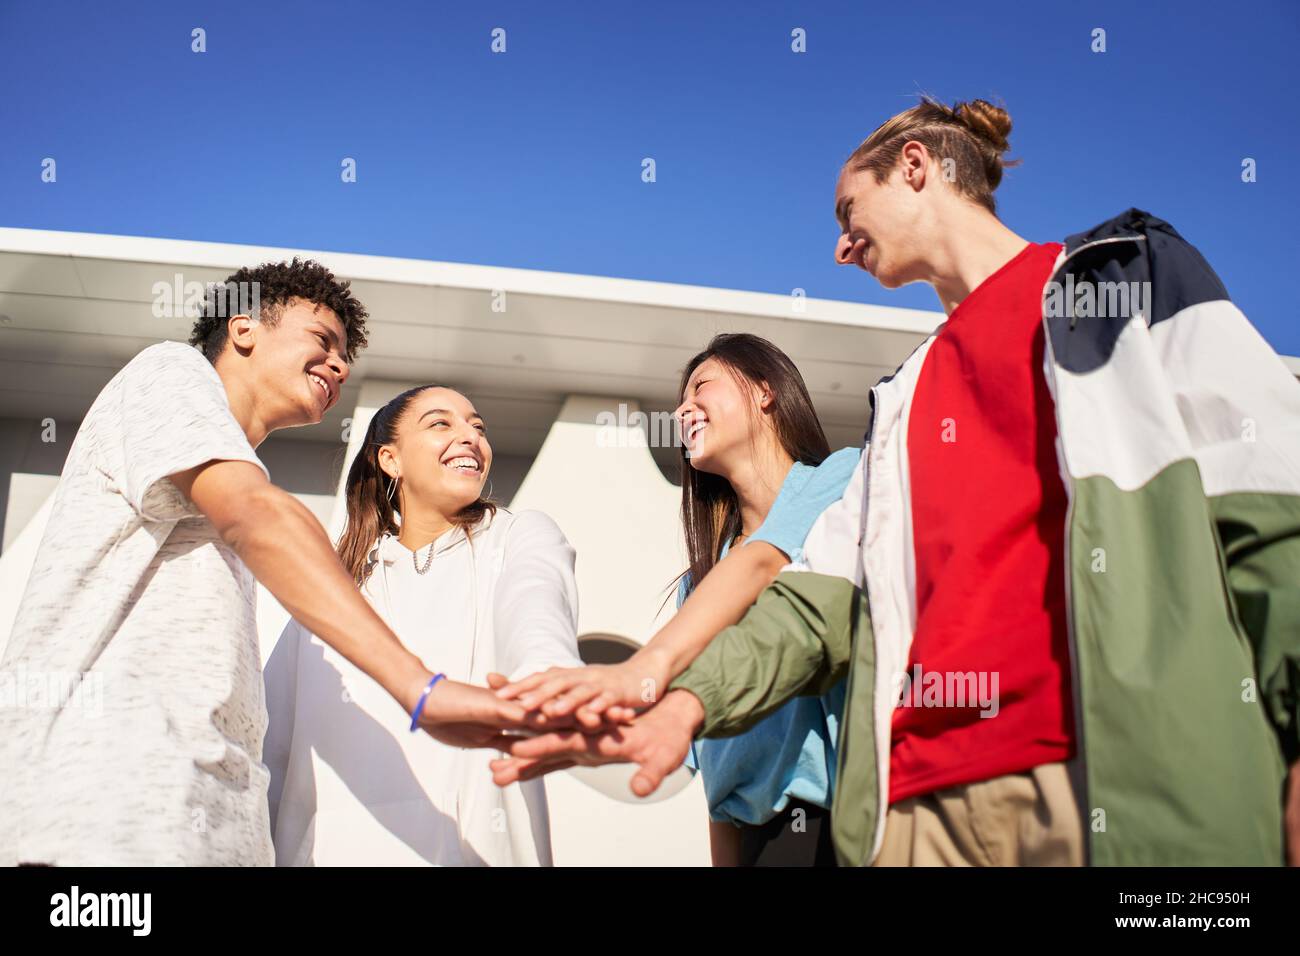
(564, 717)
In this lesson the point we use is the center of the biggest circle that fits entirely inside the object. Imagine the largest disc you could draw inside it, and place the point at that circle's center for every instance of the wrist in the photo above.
(673, 656)
(420, 712)
(654, 663)
(685, 709)
(410, 686)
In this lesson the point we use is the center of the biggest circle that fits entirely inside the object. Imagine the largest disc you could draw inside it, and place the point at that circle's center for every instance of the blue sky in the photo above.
(533, 158)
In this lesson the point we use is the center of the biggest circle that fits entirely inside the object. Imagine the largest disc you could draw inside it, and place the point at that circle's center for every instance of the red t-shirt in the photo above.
(988, 524)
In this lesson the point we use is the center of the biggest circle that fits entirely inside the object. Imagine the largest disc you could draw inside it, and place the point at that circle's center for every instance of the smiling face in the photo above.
(719, 414)
(441, 453)
(882, 225)
(298, 360)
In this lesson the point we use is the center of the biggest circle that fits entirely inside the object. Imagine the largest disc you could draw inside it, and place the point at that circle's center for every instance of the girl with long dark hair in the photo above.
(756, 470)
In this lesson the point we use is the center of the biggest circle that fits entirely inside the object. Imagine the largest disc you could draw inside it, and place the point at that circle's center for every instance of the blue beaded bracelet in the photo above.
(419, 706)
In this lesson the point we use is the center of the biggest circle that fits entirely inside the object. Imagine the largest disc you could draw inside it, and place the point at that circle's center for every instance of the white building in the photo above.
(550, 360)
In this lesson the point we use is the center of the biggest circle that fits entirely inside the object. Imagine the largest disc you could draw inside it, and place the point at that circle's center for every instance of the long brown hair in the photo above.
(710, 509)
(973, 135)
(370, 514)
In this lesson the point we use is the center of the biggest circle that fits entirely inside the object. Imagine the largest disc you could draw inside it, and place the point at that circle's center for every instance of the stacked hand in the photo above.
(592, 698)
(461, 715)
(656, 740)
(565, 717)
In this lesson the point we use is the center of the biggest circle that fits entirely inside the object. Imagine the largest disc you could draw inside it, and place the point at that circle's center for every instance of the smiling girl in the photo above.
(756, 470)
(461, 581)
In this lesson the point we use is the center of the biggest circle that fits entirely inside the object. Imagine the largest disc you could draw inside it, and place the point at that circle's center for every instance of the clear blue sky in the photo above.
(533, 158)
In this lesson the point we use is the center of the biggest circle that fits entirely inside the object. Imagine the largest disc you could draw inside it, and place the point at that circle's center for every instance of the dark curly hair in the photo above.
(277, 284)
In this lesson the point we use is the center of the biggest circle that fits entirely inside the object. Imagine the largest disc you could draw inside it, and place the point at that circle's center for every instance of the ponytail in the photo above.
(973, 136)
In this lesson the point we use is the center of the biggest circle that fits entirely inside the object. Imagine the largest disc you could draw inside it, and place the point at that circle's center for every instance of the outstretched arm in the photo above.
(288, 551)
(796, 641)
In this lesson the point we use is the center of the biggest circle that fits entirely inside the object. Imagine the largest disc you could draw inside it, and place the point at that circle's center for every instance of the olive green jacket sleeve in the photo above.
(794, 641)
(1261, 546)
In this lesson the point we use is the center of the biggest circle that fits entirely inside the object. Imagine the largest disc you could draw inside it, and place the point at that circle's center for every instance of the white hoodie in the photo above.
(350, 784)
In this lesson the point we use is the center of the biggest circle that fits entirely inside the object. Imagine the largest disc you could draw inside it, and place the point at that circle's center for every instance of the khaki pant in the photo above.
(1021, 819)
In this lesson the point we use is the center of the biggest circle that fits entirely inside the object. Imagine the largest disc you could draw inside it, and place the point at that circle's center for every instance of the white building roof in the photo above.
(74, 307)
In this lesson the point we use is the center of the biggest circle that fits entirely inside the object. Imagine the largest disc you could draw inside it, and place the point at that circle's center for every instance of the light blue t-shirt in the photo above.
(790, 753)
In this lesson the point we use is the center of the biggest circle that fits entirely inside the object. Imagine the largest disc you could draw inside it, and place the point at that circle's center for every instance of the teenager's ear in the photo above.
(765, 396)
(388, 462)
(239, 329)
(914, 160)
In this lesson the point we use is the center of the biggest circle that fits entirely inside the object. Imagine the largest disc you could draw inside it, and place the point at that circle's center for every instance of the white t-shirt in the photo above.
(131, 702)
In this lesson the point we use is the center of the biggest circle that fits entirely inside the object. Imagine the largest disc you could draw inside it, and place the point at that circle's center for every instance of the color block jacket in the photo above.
(1179, 447)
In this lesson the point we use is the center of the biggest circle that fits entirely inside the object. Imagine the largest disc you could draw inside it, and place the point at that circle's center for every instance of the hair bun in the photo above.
(990, 123)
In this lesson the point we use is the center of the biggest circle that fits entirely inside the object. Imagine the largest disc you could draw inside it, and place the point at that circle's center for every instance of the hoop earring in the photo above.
(392, 484)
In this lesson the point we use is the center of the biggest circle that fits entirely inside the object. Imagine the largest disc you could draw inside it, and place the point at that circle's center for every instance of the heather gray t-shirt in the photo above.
(131, 702)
